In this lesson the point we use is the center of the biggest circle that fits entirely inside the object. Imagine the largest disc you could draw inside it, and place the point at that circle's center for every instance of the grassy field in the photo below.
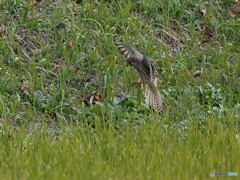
(56, 54)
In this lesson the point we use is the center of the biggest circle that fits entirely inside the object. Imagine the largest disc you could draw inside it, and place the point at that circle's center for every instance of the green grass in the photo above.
(149, 151)
(47, 132)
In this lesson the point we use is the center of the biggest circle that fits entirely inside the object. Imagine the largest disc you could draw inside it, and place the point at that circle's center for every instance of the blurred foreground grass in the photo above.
(52, 55)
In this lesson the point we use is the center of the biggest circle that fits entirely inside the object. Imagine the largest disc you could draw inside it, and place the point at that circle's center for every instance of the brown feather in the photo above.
(147, 70)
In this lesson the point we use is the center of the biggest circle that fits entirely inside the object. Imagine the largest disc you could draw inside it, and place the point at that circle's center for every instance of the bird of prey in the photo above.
(147, 70)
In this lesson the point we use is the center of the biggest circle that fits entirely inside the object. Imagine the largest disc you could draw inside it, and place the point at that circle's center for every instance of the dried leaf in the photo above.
(25, 87)
(208, 34)
(3, 32)
(197, 73)
(171, 36)
(77, 70)
(91, 99)
(202, 12)
(234, 10)
(170, 40)
(97, 97)
(174, 25)
(56, 68)
(70, 43)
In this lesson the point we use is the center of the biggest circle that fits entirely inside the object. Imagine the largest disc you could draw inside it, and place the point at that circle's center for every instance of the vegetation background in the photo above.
(67, 109)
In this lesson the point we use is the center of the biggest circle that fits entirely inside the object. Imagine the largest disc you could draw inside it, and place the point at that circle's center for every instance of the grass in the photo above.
(47, 132)
(147, 152)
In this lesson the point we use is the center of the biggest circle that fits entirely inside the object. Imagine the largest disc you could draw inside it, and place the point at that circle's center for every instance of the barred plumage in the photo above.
(147, 70)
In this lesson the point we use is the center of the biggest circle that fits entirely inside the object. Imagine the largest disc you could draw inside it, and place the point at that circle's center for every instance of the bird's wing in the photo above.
(147, 70)
(154, 77)
(148, 66)
(128, 51)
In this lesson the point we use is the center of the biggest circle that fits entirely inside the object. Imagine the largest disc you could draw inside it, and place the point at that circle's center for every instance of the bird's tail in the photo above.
(154, 98)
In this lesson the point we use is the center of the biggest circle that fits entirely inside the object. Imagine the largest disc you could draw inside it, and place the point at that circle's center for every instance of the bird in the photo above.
(147, 70)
